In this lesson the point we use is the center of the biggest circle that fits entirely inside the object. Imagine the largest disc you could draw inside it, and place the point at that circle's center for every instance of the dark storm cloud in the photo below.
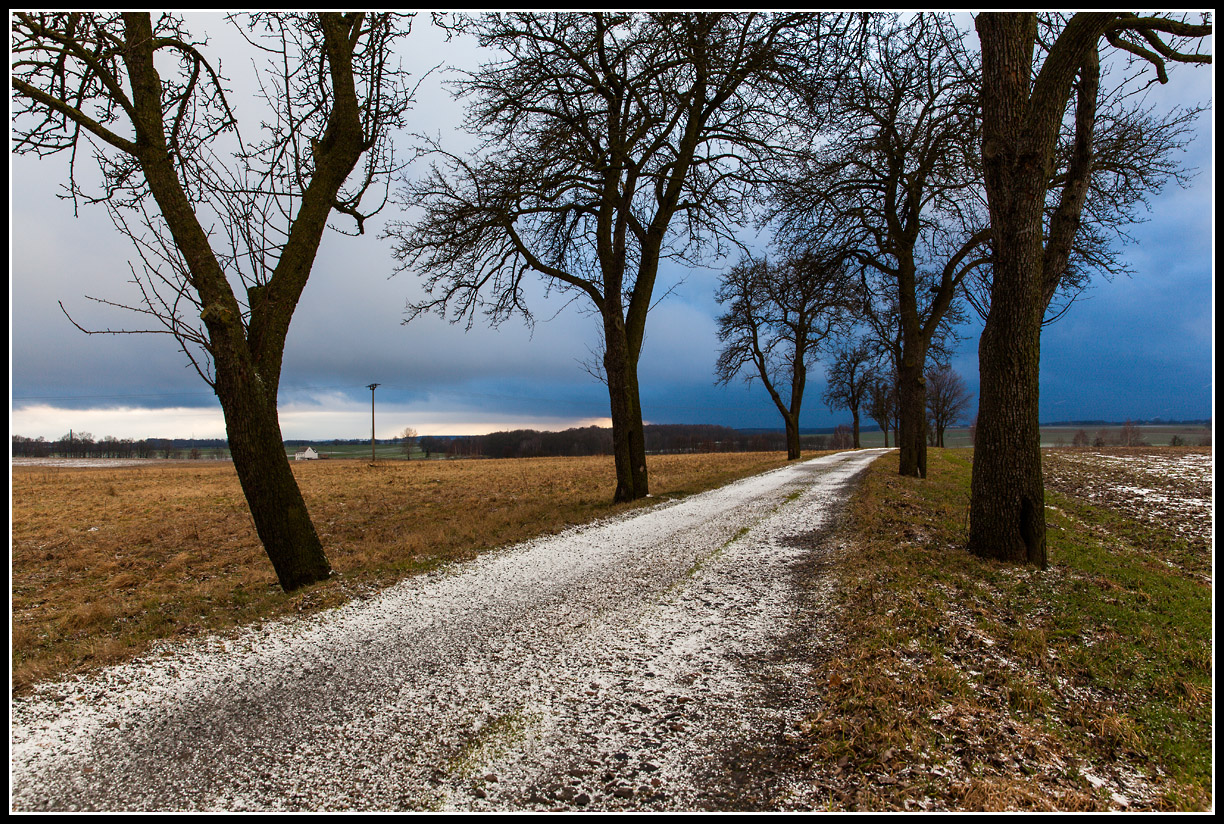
(1137, 347)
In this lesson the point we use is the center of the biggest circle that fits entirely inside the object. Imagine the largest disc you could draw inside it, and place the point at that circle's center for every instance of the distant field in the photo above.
(1063, 435)
(383, 451)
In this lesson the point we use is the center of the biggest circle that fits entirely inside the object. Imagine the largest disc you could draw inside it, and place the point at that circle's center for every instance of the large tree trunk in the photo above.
(792, 437)
(628, 433)
(854, 411)
(276, 503)
(911, 377)
(1007, 503)
(791, 415)
(911, 405)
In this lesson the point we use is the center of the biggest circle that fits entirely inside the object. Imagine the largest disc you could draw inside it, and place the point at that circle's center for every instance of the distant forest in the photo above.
(519, 443)
(1153, 422)
(594, 440)
(84, 445)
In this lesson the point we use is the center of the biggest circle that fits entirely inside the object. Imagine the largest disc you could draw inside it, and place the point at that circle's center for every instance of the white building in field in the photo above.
(307, 454)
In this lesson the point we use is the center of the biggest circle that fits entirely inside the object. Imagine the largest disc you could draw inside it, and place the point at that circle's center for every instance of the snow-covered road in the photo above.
(621, 665)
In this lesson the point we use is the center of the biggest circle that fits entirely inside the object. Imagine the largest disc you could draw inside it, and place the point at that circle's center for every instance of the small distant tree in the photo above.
(1101, 438)
(1130, 435)
(947, 399)
(1080, 438)
(843, 438)
(849, 380)
(430, 444)
(778, 316)
(1176, 440)
(408, 439)
(882, 403)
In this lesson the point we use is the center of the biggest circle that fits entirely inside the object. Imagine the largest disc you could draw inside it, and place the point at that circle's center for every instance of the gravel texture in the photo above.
(634, 663)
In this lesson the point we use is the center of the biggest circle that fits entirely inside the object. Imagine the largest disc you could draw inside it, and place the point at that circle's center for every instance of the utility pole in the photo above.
(372, 387)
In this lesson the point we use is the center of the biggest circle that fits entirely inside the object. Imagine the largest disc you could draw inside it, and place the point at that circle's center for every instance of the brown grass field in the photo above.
(951, 682)
(106, 561)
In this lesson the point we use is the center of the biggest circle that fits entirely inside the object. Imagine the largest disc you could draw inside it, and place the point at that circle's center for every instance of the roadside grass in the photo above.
(107, 561)
(956, 683)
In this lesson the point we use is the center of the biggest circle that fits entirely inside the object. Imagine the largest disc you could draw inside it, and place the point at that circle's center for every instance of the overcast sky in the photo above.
(1134, 348)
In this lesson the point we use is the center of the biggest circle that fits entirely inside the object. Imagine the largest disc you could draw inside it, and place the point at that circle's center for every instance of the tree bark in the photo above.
(277, 507)
(792, 438)
(1020, 129)
(628, 432)
(1007, 503)
(911, 406)
(798, 384)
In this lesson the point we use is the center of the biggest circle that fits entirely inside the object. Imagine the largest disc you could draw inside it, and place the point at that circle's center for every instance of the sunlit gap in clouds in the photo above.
(298, 421)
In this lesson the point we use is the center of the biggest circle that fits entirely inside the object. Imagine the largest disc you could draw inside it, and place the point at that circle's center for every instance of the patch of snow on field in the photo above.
(1172, 488)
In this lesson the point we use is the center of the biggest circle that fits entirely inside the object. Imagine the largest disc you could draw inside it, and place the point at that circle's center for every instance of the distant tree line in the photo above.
(1129, 434)
(84, 445)
(594, 440)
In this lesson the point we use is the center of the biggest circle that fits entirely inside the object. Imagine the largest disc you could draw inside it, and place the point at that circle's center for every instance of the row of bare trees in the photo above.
(1001, 178)
(781, 317)
(883, 150)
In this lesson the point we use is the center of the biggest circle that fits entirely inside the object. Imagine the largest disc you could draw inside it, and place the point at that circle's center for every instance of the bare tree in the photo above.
(1134, 152)
(842, 438)
(1037, 74)
(948, 400)
(1131, 435)
(778, 316)
(609, 143)
(143, 94)
(849, 380)
(882, 403)
(894, 177)
(408, 439)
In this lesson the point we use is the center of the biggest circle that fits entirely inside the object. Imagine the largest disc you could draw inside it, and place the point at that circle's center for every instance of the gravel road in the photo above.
(635, 663)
